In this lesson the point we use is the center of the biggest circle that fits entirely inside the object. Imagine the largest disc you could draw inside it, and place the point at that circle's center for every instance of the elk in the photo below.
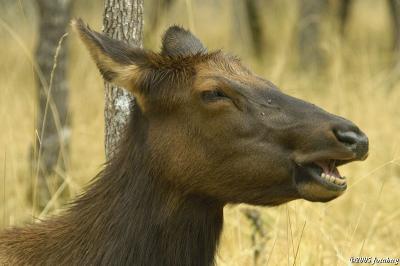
(206, 132)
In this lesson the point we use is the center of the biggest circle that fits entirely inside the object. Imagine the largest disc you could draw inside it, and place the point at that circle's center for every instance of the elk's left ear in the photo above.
(180, 42)
(118, 62)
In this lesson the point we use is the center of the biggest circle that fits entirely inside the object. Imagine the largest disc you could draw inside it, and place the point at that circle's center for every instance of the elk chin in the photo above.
(314, 185)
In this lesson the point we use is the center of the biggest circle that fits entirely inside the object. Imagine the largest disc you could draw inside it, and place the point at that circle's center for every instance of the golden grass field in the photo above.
(360, 83)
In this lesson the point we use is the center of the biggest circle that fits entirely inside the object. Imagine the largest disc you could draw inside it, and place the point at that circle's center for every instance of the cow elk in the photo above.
(205, 132)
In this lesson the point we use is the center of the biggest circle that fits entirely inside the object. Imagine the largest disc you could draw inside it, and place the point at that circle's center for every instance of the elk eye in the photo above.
(213, 95)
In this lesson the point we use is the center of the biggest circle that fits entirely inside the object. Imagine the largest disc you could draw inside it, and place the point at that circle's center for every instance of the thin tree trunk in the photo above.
(252, 9)
(310, 19)
(123, 20)
(344, 10)
(51, 148)
(247, 26)
(394, 6)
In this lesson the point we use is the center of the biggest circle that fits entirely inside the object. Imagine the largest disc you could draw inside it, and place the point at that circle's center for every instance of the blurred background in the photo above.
(342, 55)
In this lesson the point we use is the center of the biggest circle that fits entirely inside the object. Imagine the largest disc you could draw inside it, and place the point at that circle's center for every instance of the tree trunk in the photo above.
(252, 9)
(247, 27)
(51, 148)
(310, 19)
(123, 20)
(344, 10)
(394, 6)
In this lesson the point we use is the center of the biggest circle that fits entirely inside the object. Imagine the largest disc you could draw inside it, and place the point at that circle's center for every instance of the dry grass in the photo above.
(358, 84)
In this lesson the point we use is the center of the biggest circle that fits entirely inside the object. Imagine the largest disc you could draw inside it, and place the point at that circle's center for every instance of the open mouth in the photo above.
(320, 180)
(326, 174)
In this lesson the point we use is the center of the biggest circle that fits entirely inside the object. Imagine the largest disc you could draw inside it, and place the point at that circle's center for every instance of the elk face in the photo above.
(218, 130)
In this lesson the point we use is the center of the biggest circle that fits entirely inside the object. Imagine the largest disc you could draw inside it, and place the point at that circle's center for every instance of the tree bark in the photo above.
(51, 148)
(122, 20)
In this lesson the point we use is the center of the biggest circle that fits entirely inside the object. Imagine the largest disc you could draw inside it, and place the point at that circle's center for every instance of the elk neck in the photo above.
(128, 216)
(144, 219)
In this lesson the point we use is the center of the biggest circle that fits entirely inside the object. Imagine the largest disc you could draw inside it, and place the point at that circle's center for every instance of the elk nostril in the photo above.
(347, 137)
(356, 141)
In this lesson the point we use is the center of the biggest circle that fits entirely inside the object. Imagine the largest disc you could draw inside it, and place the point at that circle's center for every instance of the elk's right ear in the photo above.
(118, 62)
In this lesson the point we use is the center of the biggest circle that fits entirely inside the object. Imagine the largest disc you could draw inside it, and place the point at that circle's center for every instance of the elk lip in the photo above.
(324, 173)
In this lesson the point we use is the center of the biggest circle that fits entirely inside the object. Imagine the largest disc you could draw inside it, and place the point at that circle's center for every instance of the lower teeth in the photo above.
(332, 179)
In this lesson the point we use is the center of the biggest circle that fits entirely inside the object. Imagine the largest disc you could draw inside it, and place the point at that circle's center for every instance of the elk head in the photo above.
(217, 130)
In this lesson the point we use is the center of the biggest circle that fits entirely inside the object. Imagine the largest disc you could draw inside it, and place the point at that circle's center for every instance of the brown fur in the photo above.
(206, 132)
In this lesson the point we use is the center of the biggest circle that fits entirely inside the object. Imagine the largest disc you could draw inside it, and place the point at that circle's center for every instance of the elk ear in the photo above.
(118, 62)
(180, 42)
